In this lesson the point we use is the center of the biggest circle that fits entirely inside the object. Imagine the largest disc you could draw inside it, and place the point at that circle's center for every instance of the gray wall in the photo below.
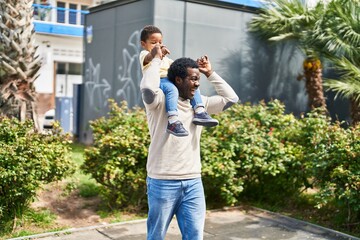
(255, 69)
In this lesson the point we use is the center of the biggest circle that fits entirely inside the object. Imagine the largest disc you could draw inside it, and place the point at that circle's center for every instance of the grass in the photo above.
(86, 185)
(34, 222)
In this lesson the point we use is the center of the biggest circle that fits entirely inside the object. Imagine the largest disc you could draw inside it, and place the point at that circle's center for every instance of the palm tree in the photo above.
(18, 63)
(348, 84)
(294, 20)
(337, 36)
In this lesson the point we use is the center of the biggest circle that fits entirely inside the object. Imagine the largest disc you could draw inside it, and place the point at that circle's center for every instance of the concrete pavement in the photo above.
(229, 224)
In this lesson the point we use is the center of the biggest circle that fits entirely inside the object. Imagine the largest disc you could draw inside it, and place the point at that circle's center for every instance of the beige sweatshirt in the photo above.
(172, 157)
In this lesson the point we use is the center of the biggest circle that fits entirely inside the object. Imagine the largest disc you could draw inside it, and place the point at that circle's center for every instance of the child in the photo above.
(150, 36)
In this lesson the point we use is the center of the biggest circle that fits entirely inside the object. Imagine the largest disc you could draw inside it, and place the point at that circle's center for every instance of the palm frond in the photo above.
(348, 68)
(348, 84)
(338, 32)
(282, 37)
(347, 88)
(284, 19)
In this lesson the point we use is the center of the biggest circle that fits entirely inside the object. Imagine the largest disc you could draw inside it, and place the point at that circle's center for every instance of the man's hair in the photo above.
(179, 68)
(147, 31)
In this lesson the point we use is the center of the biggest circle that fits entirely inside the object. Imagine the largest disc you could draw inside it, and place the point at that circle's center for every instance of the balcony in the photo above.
(59, 21)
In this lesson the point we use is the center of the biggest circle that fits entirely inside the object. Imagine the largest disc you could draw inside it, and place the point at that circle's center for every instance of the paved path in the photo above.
(231, 224)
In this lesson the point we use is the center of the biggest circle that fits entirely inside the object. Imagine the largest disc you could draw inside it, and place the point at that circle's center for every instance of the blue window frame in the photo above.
(60, 12)
(72, 13)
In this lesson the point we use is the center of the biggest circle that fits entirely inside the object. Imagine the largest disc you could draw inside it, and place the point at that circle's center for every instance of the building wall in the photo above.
(254, 68)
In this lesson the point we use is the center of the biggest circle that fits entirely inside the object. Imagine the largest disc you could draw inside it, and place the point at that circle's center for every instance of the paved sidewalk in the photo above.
(231, 224)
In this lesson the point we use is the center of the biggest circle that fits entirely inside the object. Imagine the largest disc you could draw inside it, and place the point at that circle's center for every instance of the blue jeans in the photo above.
(172, 94)
(183, 198)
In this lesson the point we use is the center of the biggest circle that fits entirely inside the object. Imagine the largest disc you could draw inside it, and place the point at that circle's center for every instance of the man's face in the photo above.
(190, 84)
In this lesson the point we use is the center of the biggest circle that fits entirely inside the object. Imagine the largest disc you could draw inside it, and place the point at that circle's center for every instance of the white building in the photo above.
(59, 37)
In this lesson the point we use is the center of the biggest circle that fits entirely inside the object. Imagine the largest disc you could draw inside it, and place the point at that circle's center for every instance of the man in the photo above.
(174, 185)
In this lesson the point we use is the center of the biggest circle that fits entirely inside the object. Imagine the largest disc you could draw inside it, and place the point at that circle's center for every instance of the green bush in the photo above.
(118, 158)
(257, 152)
(27, 160)
(247, 155)
(333, 153)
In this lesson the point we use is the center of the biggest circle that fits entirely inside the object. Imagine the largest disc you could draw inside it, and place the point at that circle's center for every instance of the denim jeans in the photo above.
(183, 198)
(172, 95)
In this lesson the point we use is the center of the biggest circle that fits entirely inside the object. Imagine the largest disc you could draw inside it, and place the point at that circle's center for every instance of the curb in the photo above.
(331, 231)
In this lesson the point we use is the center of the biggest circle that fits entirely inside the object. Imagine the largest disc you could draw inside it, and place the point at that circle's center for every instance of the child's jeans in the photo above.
(172, 95)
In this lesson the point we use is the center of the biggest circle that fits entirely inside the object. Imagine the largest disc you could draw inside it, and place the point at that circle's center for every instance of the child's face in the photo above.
(153, 39)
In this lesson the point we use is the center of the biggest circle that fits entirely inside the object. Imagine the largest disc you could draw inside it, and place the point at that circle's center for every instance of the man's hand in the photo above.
(204, 65)
(156, 52)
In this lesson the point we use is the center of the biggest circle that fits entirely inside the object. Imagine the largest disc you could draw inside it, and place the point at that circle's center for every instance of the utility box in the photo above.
(63, 113)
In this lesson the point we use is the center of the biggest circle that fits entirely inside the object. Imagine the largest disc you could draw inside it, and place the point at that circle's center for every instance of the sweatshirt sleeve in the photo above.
(225, 98)
(142, 56)
(150, 84)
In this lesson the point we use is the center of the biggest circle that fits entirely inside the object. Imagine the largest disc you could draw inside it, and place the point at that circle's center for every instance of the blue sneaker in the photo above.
(177, 129)
(205, 120)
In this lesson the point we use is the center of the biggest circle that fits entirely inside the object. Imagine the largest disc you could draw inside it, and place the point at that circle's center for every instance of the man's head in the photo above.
(150, 36)
(185, 74)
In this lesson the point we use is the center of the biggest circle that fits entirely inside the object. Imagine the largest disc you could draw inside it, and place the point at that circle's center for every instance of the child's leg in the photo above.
(197, 103)
(171, 99)
(201, 117)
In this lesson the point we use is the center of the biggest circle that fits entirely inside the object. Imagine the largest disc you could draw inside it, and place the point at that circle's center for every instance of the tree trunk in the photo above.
(19, 64)
(355, 111)
(314, 83)
(23, 111)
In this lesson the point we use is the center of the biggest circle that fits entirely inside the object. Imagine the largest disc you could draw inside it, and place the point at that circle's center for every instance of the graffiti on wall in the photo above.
(97, 90)
(128, 77)
(129, 73)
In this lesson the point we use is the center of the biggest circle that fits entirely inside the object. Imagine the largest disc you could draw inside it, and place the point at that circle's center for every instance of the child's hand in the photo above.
(164, 50)
(156, 52)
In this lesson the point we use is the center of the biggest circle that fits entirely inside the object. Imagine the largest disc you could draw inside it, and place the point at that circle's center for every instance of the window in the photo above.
(75, 69)
(67, 74)
(83, 8)
(60, 12)
(72, 13)
(69, 68)
(61, 68)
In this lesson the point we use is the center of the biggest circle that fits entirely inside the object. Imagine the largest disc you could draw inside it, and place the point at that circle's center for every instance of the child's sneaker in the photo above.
(177, 129)
(205, 120)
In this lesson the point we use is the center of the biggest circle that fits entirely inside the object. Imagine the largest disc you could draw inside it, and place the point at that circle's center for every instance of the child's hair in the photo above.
(147, 31)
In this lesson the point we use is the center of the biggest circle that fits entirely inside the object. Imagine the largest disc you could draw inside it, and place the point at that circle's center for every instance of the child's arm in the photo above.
(148, 59)
(150, 56)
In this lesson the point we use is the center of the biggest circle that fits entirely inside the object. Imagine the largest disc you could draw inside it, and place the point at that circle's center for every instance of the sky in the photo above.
(251, 3)
(257, 3)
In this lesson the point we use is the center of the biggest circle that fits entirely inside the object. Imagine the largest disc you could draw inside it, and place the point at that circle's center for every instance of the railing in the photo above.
(53, 14)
